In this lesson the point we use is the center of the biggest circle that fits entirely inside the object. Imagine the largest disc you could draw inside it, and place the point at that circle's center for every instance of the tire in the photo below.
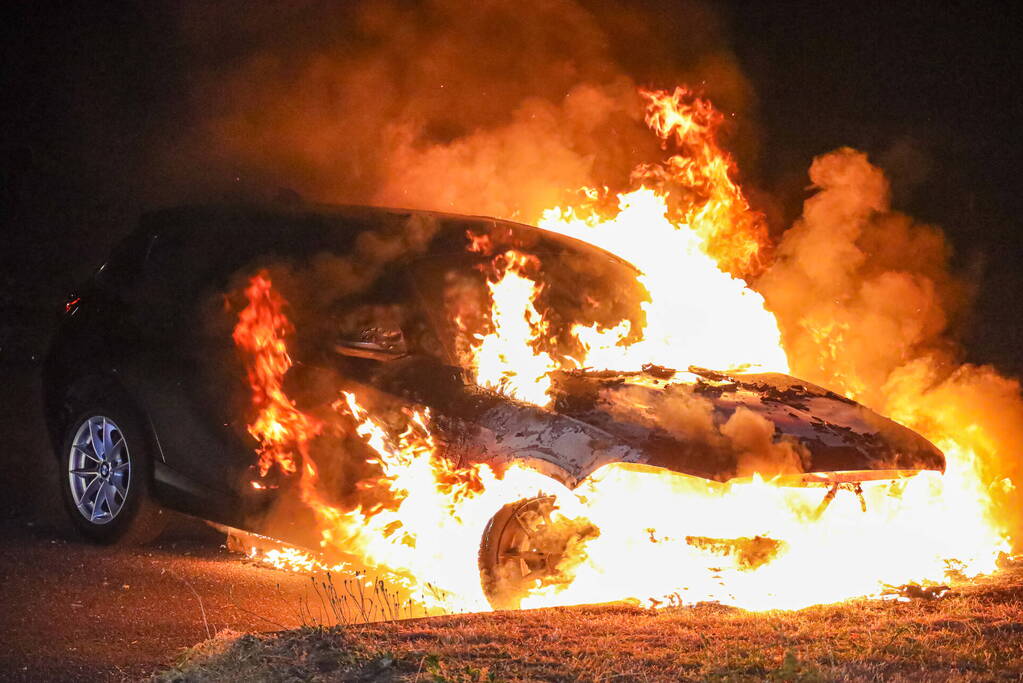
(106, 488)
(521, 549)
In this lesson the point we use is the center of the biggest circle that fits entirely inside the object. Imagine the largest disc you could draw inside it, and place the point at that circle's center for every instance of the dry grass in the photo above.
(973, 633)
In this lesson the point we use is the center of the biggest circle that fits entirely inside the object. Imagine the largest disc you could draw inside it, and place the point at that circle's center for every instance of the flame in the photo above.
(925, 529)
(506, 359)
(440, 511)
(441, 514)
(293, 559)
(260, 333)
(699, 312)
(717, 211)
(661, 537)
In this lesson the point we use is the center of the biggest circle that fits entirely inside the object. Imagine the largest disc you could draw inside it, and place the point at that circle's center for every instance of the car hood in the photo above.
(714, 425)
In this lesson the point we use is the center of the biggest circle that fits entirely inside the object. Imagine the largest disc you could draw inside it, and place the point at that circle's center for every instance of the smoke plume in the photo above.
(500, 108)
(868, 306)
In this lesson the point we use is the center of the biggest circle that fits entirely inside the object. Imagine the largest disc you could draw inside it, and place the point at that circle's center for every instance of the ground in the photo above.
(74, 611)
(974, 633)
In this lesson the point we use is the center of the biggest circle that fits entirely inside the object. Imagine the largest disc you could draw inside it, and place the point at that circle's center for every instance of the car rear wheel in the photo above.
(105, 478)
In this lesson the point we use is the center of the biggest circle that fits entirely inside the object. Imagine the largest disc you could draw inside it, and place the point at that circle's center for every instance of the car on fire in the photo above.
(146, 403)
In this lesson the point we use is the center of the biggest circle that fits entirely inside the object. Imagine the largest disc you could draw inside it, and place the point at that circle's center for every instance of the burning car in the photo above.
(148, 405)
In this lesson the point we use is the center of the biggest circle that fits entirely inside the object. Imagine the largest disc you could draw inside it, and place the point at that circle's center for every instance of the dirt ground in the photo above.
(974, 633)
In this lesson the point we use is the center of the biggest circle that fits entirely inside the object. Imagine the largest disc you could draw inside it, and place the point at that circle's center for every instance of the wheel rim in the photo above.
(525, 552)
(99, 469)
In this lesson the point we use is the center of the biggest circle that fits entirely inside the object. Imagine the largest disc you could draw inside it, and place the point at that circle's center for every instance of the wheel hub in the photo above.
(524, 550)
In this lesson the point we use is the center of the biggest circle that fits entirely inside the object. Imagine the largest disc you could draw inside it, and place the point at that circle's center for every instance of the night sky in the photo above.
(935, 96)
(931, 92)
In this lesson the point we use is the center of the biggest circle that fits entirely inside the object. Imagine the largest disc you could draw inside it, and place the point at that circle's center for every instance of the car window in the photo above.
(576, 287)
(179, 259)
(385, 315)
(191, 251)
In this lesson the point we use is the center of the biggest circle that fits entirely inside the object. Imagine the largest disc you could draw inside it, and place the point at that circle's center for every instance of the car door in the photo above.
(165, 371)
(186, 370)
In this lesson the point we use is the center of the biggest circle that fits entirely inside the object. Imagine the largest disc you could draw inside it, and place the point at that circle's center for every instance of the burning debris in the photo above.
(589, 465)
(914, 591)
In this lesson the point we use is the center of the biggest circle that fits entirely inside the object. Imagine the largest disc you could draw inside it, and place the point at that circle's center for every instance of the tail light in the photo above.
(71, 305)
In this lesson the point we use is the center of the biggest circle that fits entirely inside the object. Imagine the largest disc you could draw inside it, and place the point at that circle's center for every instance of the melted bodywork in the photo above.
(718, 426)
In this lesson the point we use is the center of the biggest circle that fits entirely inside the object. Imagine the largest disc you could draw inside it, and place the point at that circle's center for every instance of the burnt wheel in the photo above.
(520, 549)
(105, 476)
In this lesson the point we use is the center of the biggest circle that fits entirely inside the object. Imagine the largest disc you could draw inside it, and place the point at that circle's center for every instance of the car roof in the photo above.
(271, 215)
(341, 219)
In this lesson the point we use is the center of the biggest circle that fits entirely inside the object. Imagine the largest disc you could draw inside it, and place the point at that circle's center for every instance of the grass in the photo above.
(975, 632)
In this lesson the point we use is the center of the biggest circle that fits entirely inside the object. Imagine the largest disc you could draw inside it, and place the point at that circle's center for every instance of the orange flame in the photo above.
(734, 235)
(699, 313)
(691, 233)
(260, 332)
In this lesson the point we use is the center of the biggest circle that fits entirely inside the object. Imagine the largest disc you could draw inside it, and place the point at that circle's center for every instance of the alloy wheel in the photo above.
(99, 469)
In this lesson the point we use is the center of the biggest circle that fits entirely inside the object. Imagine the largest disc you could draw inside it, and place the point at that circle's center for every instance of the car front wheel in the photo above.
(522, 549)
(105, 478)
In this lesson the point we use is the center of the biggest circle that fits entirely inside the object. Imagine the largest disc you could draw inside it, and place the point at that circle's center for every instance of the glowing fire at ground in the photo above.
(691, 233)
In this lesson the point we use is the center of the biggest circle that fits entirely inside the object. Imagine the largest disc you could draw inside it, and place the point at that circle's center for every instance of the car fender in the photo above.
(559, 446)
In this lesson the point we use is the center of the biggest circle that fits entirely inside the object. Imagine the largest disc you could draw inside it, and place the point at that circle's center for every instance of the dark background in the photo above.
(932, 92)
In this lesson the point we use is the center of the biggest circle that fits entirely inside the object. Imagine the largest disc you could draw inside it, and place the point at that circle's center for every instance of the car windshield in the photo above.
(567, 287)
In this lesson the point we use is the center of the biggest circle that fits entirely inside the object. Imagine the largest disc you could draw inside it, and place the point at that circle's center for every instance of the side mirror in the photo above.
(374, 343)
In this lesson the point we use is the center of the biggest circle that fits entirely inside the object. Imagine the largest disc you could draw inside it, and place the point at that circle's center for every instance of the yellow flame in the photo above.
(697, 314)
(662, 537)
(505, 359)
(439, 518)
(924, 529)
(699, 311)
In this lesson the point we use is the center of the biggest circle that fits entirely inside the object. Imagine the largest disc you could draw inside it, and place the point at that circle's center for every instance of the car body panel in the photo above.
(597, 420)
(828, 432)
